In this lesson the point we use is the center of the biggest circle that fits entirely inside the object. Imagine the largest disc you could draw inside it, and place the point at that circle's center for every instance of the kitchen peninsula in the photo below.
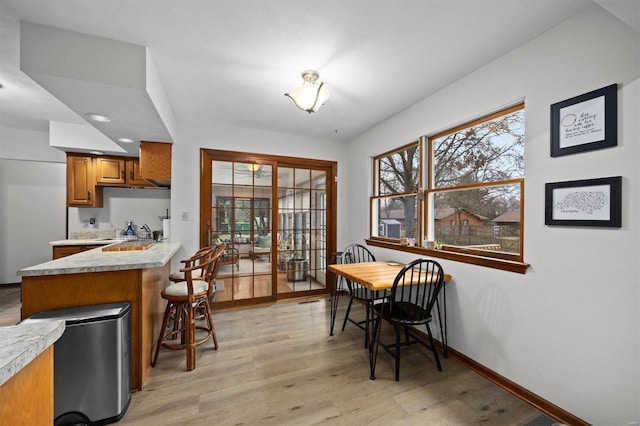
(95, 277)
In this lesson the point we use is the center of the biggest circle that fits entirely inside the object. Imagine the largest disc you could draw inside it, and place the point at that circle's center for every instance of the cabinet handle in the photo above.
(89, 195)
(131, 175)
(123, 174)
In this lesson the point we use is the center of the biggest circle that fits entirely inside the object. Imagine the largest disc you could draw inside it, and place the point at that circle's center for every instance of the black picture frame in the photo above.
(587, 202)
(586, 122)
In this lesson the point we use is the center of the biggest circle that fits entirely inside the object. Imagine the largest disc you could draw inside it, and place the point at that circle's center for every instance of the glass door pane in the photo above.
(302, 225)
(241, 217)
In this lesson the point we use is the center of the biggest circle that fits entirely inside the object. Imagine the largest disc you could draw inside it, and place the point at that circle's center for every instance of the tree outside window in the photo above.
(395, 205)
(478, 176)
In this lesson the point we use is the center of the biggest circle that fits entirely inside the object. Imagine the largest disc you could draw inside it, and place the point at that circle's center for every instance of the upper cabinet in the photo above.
(133, 174)
(120, 171)
(110, 171)
(82, 190)
(155, 162)
(88, 174)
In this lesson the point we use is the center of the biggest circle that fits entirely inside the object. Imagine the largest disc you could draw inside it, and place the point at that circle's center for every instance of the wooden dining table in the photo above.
(380, 276)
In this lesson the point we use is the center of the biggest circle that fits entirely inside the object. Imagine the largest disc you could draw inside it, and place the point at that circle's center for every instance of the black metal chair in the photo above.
(356, 253)
(413, 296)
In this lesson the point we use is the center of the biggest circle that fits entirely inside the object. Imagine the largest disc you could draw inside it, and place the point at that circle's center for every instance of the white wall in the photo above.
(141, 205)
(185, 168)
(569, 329)
(32, 200)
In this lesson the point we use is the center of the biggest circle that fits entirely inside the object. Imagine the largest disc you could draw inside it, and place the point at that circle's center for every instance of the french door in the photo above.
(277, 217)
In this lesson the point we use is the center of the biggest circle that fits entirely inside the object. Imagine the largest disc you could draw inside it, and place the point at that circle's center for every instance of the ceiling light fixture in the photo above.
(312, 94)
(125, 140)
(97, 117)
(253, 167)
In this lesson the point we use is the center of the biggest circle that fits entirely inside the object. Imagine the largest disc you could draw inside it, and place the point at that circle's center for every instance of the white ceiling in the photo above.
(232, 61)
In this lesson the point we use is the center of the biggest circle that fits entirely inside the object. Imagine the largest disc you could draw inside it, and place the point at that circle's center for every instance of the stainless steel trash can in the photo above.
(92, 363)
(297, 269)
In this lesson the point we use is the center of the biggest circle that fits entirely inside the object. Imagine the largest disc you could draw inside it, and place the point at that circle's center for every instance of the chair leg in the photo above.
(368, 307)
(207, 309)
(346, 316)
(397, 329)
(433, 348)
(190, 324)
(165, 321)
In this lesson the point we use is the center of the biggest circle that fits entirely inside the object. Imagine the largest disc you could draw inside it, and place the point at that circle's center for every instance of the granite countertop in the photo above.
(22, 343)
(85, 242)
(96, 260)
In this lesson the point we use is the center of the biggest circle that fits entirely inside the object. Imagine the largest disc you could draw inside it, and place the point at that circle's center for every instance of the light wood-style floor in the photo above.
(277, 365)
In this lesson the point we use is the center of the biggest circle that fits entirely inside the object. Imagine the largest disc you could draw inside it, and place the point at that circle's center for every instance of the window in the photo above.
(466, 195)
(395, 205)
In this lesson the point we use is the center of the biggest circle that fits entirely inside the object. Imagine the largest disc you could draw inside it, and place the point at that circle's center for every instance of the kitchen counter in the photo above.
(95, 277)
(22, 343)
(97, 260)
(85, 242)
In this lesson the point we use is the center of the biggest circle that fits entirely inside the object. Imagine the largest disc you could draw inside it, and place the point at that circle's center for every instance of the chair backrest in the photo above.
(216, 259)
(356, 253)
(415, 291)
(200, 262)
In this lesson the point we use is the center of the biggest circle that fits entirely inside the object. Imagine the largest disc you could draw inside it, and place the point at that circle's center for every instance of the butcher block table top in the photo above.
(129, 246)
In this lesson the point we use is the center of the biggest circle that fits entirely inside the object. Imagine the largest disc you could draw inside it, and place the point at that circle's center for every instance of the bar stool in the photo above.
(184, 299)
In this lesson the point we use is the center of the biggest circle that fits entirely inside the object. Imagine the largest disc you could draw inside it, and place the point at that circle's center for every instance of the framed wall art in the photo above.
(585, 122)
(589, 202)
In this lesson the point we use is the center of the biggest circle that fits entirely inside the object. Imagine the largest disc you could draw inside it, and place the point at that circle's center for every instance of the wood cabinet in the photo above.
(120, 171)
(87, 174)
(133, 174)
(111, 171)
(82, 190)
(63, 251)
(155, 162)
(27, 397)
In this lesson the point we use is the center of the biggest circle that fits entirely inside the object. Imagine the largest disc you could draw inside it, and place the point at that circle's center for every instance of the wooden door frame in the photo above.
(331, 168)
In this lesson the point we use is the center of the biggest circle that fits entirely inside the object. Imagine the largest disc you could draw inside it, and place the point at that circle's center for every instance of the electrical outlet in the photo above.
(185, 216)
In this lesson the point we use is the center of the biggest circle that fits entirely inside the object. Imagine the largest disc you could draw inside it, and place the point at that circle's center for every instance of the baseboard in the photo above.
(515, 389)
(9, 284)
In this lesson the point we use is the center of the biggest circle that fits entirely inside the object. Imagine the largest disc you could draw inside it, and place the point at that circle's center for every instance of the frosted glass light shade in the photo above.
(311, 95)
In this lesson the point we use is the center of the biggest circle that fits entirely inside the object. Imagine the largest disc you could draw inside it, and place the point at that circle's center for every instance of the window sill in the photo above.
(489, 262)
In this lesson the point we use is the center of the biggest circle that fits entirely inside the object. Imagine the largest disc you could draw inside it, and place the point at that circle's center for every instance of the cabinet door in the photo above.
(64, 251)
(110, 171)
(155, 162)
(133, 174)
(81, 186)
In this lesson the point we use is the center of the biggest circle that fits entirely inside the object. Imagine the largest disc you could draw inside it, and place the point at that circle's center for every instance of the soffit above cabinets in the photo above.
(93, 74)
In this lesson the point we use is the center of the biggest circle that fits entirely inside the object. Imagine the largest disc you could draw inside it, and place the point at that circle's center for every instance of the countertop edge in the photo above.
(23, 343)
(98, 261)
(85, 242)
